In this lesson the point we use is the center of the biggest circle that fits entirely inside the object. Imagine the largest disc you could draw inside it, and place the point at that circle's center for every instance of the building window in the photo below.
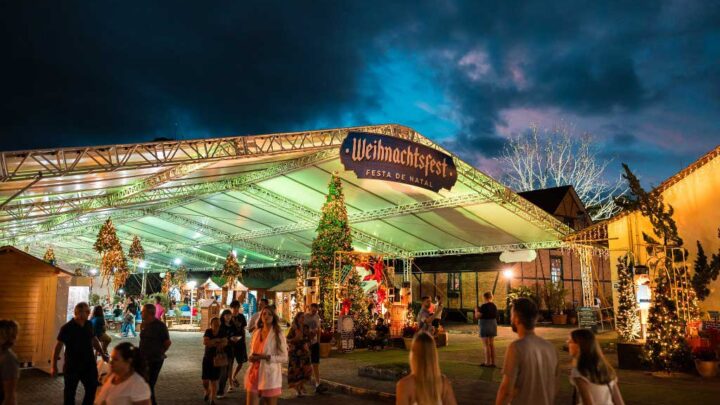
(556, 270)
(453, 284)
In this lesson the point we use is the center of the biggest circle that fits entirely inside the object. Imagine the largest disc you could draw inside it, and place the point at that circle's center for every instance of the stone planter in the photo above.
(559, 319)
(630, 355)
(408, 343)
(707, 369)
(325, 349)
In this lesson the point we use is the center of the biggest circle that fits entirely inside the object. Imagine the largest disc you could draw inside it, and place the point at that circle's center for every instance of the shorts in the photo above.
(209, 371)
(239, 352)
(488, 328)
(315, 353)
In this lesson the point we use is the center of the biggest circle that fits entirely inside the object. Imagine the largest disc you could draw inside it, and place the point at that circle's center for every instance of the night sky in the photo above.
(644, 77)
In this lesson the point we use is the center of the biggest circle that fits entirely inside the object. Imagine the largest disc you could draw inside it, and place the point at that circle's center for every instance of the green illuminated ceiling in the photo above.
(261, 198)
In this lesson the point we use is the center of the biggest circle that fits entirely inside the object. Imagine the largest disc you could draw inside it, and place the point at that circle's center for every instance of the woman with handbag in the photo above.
(214, 359)
(593, 379)
(263, 378)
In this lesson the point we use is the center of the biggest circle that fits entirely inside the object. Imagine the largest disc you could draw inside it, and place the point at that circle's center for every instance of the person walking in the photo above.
(593, 379)
(299, 364)
(486, 315)
(100, 327)
(78, 339)
(312, 321)
(214, 342)
(129, 318)
(269, 352)
(230, 331)
(531, 365)
(9, 365)
(425, 385)
(159, 309)
(125, 385)
(238, 345)
(154, 344)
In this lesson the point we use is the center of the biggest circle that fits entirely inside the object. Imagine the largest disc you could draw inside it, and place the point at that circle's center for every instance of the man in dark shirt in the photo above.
(154, 342)
(78, 338)
(238, 346)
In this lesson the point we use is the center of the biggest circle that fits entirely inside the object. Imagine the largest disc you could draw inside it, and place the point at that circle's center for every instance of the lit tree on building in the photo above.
(628, 321)
(333, 235)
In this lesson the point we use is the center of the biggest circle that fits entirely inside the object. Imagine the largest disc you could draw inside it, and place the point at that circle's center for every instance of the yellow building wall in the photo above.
(696, 201)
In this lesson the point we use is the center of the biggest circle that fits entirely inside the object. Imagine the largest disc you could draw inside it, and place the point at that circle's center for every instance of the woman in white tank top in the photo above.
(594, 380)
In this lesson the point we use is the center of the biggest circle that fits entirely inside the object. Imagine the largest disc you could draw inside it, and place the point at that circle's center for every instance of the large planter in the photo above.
(630, 356)
(408, 343)
(559, 319)
(707, 369)
(325, 349)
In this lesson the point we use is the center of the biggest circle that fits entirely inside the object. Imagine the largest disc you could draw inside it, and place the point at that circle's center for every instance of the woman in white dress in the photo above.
(425, 385)
(125, 385)
(594, 379)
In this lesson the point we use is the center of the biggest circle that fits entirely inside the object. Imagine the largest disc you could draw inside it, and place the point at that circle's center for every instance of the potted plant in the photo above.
(555, 300)
(706, 362)
(408, 333)
(326, 337)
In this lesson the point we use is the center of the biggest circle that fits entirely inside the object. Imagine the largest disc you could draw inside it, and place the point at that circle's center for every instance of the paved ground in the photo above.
(180, 379)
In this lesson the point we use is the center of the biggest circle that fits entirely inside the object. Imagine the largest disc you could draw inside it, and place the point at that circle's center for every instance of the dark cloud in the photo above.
(91, 72)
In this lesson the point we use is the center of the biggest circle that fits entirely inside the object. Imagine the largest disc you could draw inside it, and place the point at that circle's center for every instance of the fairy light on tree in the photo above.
(137, 255)
(628, 321)
(231, 269)
(113, 262)
(333, 235)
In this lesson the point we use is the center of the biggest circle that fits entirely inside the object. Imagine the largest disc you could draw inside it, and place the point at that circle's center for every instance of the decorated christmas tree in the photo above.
(665, 348)
(112, 262)
(167, 283)
(180, 277)
(299, 290)
(333, 235)
(49, 256)
(628, 321)
(231, 269)
(358, 302)
(136, 252)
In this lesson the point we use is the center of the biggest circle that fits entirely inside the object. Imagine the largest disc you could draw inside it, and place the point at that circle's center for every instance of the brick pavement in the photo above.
(179, 381)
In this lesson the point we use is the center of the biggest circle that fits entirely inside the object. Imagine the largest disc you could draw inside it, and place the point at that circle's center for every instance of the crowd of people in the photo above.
(530, 371)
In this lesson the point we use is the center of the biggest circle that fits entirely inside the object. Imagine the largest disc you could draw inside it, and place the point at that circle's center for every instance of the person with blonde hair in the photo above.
(594, 379)
(263, 379)
(9, 366)
(425, 385)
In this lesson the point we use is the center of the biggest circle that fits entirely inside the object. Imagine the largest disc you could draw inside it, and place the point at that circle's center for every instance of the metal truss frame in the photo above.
(25, 165)
(551, 244)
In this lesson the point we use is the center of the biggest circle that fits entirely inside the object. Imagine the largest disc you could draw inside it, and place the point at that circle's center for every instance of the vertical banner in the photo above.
(374, 156)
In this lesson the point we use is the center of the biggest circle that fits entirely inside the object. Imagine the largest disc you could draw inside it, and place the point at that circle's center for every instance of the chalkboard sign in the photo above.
(587, 318)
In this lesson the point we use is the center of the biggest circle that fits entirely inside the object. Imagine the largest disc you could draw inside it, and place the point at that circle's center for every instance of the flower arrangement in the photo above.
(326, 336)
(409, 331)
(704, 354)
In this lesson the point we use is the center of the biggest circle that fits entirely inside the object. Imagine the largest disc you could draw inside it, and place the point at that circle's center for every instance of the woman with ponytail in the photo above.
(126, 384)
(425, 385)
(594, 379)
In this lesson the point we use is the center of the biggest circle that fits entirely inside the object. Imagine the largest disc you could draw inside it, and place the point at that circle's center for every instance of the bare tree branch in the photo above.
(536, 160)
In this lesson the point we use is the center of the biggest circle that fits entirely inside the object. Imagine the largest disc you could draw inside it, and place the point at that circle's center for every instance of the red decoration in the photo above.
(345, 309)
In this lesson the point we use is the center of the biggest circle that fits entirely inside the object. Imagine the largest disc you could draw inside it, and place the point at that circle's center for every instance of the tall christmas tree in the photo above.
(113, 262)
(299, 290)
(665, 347)
(359, 304)
(333, 235)
(231, 269)
(628, 321)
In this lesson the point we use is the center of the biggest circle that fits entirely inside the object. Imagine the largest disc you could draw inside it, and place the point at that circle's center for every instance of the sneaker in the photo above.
(220, 396)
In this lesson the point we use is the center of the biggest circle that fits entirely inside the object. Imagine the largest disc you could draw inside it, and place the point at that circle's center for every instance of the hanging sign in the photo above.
(374, 156)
